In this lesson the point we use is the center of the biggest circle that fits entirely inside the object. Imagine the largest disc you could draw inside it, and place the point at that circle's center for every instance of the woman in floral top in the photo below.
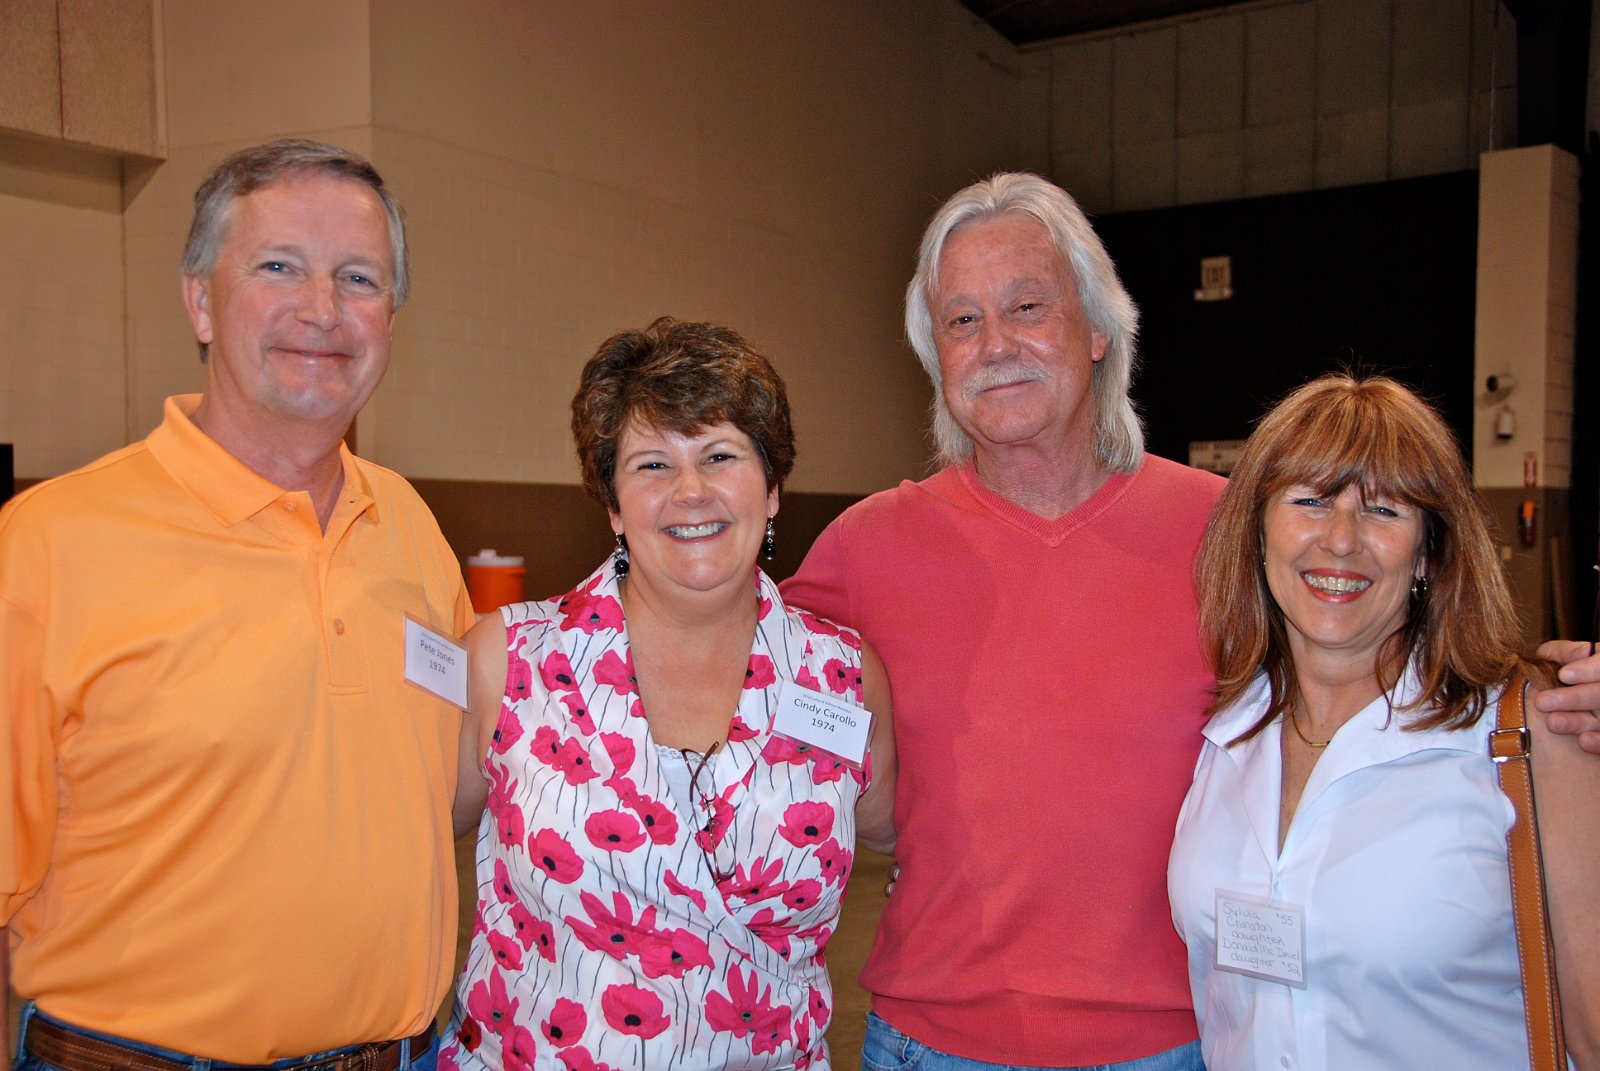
(660, 867)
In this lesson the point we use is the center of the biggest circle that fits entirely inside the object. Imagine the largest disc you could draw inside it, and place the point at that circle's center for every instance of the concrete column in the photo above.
(1522, 432)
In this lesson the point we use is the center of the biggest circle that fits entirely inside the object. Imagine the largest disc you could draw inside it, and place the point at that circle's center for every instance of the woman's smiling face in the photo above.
(694, 508)
(1341, 568)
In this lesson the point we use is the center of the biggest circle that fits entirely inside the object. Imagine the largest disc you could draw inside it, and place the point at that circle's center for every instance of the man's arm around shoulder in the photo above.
(487, 663)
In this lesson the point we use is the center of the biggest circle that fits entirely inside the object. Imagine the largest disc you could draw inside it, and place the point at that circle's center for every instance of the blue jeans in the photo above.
(887, 1049)
(409, 1061)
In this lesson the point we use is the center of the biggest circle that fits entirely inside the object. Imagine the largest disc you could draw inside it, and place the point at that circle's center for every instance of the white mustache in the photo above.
(1002, 376)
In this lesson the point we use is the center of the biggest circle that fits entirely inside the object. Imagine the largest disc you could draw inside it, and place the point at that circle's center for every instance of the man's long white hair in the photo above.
(1118, 434)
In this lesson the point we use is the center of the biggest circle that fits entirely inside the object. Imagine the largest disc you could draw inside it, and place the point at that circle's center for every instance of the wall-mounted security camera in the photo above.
(1500, 382)
(1505, 422)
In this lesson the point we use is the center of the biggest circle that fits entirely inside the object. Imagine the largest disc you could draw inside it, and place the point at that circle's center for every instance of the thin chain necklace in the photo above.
(1294, 723)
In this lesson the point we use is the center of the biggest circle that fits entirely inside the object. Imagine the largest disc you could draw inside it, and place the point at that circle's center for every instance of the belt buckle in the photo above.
(363, 1059)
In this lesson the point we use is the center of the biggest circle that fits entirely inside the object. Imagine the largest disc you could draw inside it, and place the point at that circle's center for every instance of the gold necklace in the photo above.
(1294, 723)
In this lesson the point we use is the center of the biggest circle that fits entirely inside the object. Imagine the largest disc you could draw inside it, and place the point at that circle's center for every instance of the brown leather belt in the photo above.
(78, 1052)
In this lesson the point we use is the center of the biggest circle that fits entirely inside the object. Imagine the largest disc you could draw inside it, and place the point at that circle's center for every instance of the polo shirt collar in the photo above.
(226, 487)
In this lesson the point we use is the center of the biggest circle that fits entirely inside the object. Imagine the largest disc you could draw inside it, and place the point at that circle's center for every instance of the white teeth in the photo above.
(1336, 585)
(695, 531)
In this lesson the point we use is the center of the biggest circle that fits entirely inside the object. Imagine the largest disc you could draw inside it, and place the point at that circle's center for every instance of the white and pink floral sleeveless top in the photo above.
(604, 938)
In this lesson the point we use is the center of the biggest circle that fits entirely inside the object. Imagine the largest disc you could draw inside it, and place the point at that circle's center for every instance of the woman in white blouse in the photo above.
(1339, 869)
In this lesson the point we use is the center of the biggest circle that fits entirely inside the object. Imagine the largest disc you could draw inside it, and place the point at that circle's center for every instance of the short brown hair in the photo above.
(260, 165)
(1374, 434)
(681, 377)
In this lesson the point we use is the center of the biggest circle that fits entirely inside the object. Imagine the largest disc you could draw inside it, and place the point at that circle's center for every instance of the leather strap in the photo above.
(73, 1051)
(1509, 748)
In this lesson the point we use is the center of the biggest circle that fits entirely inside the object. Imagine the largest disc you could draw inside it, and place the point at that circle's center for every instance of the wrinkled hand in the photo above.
(1573, 708)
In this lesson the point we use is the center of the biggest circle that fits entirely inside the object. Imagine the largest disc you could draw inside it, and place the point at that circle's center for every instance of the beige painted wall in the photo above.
(237, 72)
(569, 171)
(1526, 317)
(62, 360)
(83, 72)
(1526, 313)
(573, 170)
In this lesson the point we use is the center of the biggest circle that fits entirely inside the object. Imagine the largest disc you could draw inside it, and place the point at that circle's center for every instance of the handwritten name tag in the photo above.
(826, 723)
(1265, 939)
(436, 663)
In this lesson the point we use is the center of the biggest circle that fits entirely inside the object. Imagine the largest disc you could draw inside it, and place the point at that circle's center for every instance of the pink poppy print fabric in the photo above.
(603, 939)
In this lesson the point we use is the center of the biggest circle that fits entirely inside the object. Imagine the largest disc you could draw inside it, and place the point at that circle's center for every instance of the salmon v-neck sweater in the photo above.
(1048, 692)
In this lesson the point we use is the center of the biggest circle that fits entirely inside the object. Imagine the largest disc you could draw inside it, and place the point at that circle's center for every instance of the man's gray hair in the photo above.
(1118, 435)
(260, 165)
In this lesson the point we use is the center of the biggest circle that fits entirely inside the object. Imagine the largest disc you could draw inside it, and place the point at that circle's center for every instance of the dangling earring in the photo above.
(769, 546)
(1419, 588)
(619, 558)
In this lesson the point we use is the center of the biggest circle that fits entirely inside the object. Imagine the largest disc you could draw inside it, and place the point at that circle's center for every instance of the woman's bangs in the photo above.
(1354, 446)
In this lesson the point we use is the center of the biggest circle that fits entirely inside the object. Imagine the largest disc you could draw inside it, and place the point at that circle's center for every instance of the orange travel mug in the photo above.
(493, 580)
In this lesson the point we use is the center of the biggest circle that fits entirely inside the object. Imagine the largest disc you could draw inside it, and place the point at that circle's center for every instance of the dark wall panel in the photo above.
(1378, 278)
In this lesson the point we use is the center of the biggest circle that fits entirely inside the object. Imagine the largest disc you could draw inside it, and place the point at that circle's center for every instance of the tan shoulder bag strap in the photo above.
(1509, 748)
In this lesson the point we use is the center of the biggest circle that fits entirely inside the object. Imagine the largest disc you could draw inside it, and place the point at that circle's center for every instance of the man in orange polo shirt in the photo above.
(226, 816)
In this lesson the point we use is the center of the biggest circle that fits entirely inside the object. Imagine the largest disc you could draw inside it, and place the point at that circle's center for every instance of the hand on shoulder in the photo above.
(1573, 707)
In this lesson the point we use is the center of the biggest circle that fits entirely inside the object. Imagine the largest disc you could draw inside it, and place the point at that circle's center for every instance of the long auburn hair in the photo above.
(1372, 433)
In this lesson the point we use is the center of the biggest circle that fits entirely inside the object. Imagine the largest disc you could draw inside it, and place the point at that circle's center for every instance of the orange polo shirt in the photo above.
(226, 816)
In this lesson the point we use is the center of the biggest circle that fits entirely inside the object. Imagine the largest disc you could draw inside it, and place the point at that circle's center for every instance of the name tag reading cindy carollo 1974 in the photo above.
(823, 722)
(436, 663)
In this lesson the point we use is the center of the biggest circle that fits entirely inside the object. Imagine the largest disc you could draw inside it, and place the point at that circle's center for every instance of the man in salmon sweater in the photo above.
(1033, 604)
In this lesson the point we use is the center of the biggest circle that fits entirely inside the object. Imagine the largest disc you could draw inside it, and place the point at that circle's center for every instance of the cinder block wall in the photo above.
(570, 170)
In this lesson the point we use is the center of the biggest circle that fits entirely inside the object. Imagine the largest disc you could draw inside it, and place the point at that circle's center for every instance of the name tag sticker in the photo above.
(1263, 938)
(825, 723)
(436, 663)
